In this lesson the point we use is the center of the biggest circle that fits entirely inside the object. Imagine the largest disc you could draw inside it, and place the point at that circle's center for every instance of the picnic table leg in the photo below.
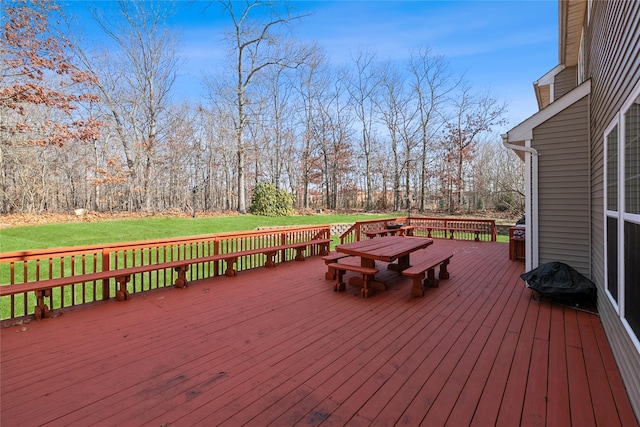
(371, 283)
(340, 286)
(403, 264)
(366, 290)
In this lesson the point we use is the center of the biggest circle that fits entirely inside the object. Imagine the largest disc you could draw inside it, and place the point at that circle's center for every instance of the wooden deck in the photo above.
(279, 347)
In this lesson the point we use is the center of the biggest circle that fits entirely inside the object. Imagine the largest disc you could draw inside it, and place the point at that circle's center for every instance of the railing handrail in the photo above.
(360, 226)
(139, 244)
(357, 228)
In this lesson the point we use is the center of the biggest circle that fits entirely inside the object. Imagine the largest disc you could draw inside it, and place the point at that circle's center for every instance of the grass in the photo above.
(80, 233)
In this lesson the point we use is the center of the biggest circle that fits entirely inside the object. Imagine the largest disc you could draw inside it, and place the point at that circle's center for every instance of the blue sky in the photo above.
(500, 46)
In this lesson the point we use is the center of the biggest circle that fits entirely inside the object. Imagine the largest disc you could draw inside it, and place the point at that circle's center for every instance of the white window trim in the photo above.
(612, 214)
(631, 333)
(581, 59)
(622, 216)
(635, 94)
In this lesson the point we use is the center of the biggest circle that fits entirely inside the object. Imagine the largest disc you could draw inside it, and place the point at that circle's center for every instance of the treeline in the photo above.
(99, 129)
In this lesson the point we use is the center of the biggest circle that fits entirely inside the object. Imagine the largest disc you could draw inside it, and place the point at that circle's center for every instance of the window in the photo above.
(612, 170)
(632, 215)
(632, 275)
(632, 158)
(622, 213)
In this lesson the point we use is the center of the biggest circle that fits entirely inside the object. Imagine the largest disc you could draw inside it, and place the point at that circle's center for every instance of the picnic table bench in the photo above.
(367, 273)
(331, 258)
(405, 230)
(232, 258)
(451, 230)
(43, 288)
(427, 266)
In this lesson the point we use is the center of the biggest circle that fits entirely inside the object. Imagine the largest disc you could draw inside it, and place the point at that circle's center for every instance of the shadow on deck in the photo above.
(279, 347)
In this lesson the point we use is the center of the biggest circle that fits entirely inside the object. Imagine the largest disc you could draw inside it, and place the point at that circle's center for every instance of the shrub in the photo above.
(267, 200)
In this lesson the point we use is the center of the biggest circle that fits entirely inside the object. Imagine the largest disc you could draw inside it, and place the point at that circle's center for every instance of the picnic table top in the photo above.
(386, 248)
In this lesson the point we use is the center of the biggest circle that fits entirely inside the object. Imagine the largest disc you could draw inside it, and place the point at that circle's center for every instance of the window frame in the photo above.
(621, 215)
(617, 303)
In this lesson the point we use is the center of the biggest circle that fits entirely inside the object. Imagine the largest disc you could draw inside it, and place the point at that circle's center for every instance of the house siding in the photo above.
(563, 187)
(612, 42)
(565, 81)
(613, 59)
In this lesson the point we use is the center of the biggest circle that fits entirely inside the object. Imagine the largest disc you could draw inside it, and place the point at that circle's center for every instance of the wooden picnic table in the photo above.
(387, 249)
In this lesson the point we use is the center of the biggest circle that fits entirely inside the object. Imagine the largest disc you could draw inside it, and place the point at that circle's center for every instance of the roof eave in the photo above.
(524, 131)
(543, 86)
(571, 20)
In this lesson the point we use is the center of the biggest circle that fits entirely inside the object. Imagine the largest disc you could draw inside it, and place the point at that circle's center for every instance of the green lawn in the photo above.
(127, 230)
(79, 233)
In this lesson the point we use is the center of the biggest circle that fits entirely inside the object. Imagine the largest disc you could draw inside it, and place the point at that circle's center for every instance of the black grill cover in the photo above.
(562, 283)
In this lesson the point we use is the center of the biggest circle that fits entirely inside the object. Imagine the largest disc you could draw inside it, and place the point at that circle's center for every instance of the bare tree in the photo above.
(472, 115)
(257, 46)
(135, 81)
(276, 124)
(432, 82)
(500, 174)
(220, 135)
(333, 138)
(393, 105)
(362, 89)
(313, 87)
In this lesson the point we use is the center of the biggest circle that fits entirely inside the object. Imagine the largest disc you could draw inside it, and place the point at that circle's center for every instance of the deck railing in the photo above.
(29, 266)
(356, 231)
(455, 228)
(449, 228)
